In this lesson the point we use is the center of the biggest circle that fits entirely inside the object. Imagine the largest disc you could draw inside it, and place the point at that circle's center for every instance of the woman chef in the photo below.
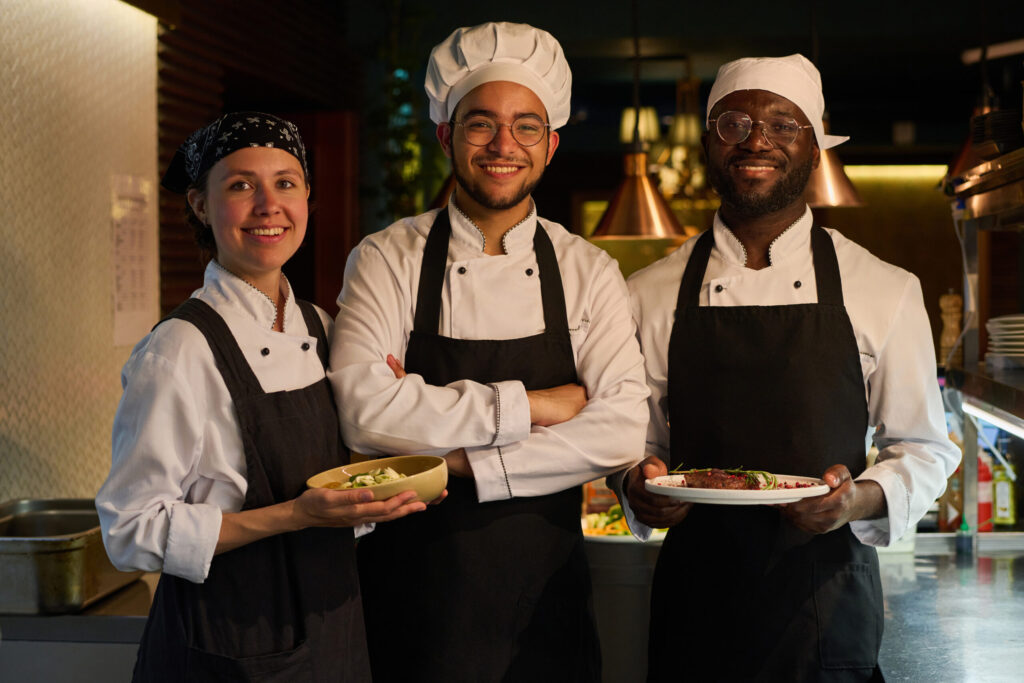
(226, 412)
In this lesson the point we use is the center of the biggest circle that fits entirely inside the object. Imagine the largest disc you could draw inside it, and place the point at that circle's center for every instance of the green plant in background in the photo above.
(401, 151)
(411, 165)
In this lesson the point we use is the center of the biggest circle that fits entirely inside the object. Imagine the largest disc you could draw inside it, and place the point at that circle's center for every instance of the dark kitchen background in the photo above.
(100, 89)
(898, 78)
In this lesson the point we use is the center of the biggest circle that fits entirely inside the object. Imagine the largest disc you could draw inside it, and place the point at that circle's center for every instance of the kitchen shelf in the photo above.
(988, 198)
(1001, 389)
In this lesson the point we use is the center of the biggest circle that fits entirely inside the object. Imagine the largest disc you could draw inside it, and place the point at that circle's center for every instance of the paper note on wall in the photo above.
(134, 237)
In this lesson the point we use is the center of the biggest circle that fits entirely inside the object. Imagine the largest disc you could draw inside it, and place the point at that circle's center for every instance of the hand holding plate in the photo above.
(846, 501)
(656, 511)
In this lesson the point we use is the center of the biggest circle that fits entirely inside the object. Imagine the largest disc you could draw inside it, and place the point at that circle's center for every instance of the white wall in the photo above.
(77, 105)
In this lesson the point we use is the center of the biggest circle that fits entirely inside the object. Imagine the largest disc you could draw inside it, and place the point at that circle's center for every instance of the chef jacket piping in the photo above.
(504, 244)
(583, 321)
(483, 237)
(257, 289)
(742, 248)
(772, 243)
(497, 417)
(501, 459)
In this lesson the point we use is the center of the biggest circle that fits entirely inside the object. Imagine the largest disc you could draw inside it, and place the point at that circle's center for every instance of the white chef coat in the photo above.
(178, 459)
(488, 297)
(897, 356)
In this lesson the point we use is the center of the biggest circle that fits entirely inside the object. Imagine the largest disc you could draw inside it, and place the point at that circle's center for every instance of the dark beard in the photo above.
(481, 198)
(785, 193)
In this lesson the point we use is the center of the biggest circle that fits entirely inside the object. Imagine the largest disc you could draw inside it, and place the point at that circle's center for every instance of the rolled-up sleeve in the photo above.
(915, 454)
(157, 438)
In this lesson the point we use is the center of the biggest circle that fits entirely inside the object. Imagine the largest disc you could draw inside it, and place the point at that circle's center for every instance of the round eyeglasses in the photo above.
(733, 127)
(480, 130)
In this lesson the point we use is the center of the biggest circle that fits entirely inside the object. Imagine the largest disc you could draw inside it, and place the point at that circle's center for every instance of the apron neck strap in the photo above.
(434, 266)
(553, 295)
(315, 328)
(826, 269)
(238, 375)
(432, 269)
(696, 266)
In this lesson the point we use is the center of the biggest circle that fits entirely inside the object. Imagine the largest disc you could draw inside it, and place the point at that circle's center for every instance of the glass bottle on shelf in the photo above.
(1004, 504)
(984, 492)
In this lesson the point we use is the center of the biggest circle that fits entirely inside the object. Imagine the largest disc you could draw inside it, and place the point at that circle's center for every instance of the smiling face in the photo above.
(753, 177)
(256, 202)
(500, 175)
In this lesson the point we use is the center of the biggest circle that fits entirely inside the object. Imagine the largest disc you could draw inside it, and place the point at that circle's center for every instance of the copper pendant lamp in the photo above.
(829, 184)
(637, 209)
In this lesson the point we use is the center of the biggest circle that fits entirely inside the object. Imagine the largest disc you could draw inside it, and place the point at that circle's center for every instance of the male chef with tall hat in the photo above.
(496, 338)
(772, 343)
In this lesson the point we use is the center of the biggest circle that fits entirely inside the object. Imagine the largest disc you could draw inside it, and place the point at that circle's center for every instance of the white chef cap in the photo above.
(501, 51)
(793, 77)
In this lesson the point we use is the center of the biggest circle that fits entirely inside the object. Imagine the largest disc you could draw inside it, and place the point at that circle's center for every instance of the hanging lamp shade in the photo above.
(648, 124)
(829, 184)
(637, 209)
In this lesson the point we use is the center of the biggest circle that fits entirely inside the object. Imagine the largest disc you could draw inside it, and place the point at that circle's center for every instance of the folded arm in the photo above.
(608, 432)
(382, 414)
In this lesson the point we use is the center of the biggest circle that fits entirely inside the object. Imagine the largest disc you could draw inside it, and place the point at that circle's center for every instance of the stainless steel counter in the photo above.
(97, 644)
(951, 620)
(945, 620)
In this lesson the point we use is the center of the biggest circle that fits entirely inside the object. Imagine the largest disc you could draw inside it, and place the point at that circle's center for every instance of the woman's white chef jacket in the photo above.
(488, 297)
(893, 335)
(178, 461)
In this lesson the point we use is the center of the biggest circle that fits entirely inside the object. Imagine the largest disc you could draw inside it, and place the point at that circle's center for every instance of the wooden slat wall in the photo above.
(280, 57)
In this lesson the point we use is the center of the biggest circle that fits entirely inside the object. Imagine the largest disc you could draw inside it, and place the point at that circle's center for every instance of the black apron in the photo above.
(481, 592)
(284, 608)
(740, 594)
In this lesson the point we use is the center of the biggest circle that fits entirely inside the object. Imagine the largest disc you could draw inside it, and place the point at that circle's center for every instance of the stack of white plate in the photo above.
(1005, 341)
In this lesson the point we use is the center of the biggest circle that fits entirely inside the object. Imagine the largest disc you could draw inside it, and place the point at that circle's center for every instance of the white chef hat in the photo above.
(793, 77)
(498, 51)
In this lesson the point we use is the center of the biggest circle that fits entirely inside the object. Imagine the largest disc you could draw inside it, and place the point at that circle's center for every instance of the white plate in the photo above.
(1009, 327)
(668, 486)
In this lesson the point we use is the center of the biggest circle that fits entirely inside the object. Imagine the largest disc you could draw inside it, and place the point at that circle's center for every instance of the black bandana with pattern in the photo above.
(229, 133)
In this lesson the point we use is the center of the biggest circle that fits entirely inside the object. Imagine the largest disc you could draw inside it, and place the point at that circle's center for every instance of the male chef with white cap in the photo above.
(773, 344)
(492, 336)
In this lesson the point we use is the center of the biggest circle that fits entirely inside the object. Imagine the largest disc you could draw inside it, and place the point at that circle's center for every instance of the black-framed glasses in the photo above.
(480, 130)
(733, 127)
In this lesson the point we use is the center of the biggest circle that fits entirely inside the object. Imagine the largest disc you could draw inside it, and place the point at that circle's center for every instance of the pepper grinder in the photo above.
(951, 305)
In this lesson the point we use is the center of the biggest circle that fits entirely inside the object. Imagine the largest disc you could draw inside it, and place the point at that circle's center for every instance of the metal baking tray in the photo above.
(52, 559)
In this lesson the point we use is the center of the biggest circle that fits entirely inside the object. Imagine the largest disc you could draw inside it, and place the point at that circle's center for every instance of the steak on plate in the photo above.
(719, 479)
